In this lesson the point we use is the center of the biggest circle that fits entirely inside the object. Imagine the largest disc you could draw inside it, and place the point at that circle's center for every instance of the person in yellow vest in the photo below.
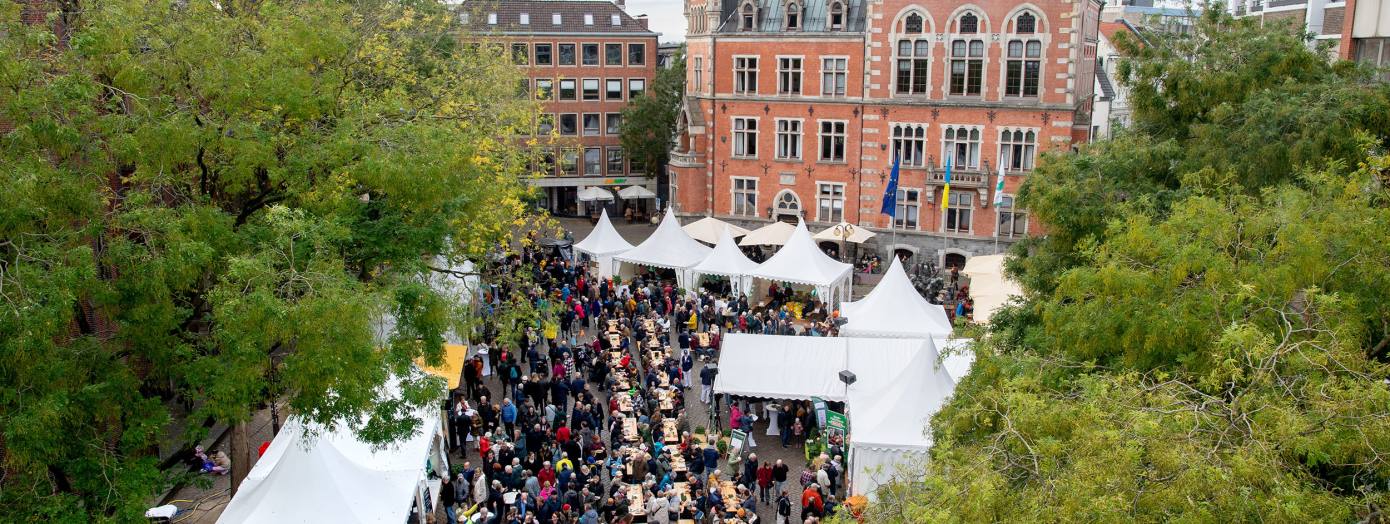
(693, 322)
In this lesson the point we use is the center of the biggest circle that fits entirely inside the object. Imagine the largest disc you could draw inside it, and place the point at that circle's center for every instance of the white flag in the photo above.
(999, 187)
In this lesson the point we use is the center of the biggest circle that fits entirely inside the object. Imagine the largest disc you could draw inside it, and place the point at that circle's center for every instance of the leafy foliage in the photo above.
(1206, 327)
(649, 123)
(211, 203)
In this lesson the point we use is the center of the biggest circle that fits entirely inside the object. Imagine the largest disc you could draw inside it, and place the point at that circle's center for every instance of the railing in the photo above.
(1257, 7)
(962, 178)
(1240, 9)
(1285, 3)
(685, 159)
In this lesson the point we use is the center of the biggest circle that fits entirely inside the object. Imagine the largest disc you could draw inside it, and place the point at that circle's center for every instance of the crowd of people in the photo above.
(589, 423)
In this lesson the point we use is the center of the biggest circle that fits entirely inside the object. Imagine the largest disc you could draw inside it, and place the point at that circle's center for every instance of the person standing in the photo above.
(779, 477)
(764, 481)
(706, 383)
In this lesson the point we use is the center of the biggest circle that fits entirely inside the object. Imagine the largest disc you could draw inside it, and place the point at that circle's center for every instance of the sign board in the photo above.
(736, 439)
(821, 409)
(836, 425)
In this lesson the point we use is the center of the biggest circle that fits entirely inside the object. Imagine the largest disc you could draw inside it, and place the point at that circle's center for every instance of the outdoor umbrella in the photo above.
(635, 192)
(708, 229)
(774, 234)
(592, 193)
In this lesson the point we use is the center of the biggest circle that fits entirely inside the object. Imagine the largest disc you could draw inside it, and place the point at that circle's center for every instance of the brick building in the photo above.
(1358, 29)
(586, 59)
(799, 107)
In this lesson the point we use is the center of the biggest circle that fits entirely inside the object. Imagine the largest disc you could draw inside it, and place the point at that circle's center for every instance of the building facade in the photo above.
(1358, 30)
(798, 108)
(586, 60)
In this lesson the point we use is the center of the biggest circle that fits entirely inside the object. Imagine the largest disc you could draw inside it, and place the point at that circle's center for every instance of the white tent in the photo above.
(894, 309)
(603, 243)
(890, 409)
(774, 234)
(782, 367)
(708, 229)
(310, 474)
(592, 193)
(726, 260)
(667, 247)
(635, 192)
(957, 355)
(989, 288)
(801, 261)
(857, 234)
(459, 287)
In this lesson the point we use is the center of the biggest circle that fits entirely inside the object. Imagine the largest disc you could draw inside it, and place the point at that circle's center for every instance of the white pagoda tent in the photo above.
(668, 247)
(800, 261)
(603, 243)
(894, 309)
(726, 261)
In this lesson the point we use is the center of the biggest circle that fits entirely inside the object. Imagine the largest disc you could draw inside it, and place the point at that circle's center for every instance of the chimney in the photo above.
(620, 4)
(642, 19)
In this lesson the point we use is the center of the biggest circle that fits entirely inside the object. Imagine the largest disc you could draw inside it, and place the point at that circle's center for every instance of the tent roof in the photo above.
(451, 368)
(314, 474)
(668, 247)
(800, 261)
(782, 367)
(989, 288)
(604, 240)
(774, 234)
(725, 259)
(894, 309)
(899, 387)
(708, 229)
(958, 356)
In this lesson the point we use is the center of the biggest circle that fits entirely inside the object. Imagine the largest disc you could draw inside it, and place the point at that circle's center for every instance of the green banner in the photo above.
(836, 426)
(821, 408)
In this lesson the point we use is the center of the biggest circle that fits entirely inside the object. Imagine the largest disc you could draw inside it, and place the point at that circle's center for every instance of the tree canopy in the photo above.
(209, 203)
(649, 123)
(1204, 332)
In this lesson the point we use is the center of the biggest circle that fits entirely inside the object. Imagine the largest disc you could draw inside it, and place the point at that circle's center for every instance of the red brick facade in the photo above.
(899, 97)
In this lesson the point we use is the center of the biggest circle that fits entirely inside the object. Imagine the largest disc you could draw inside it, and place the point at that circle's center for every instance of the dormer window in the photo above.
(525, 19)
(588, 19)
(969, 24)
(793, 16)
(913, 24)
(1025, 24)
(747, 17)
(555, 19)
(492, 19)
(837, 16)
(617, 20)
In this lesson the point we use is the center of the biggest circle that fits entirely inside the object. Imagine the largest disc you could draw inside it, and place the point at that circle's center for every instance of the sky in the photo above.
(663, 16)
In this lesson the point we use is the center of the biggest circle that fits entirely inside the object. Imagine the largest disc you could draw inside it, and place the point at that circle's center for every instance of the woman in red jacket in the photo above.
(764, 481)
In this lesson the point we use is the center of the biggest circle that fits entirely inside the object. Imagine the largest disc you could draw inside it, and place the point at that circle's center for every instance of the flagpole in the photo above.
(995, 200)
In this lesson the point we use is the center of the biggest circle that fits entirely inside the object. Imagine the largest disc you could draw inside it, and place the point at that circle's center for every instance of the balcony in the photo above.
(1257, 7)
(959, 177)
(686, 159)
(1286, 3)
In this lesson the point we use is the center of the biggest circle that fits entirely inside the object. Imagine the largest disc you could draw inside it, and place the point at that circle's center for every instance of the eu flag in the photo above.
(890, 193)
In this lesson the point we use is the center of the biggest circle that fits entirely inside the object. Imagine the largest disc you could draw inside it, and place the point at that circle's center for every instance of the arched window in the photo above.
(1026, 24)
(793, 16)
(787, 204)
(837, 16)
(913, 24)
(967, 66)
(968, 24)
(1023, 67)
(748, 17)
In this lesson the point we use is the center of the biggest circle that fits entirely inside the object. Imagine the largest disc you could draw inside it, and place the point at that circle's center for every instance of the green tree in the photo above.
(1206, 324)
(210, 202)
(649, 123)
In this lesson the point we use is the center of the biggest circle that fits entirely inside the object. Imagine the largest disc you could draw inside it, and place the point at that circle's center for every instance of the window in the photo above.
(788, 139)
(1022, 67)
(793, 16)
(837, 16)
(789, 75)
(545, 88)
(523, 88)
(569, 124)
(747, 17)
(1013, 222)
(569, 161)
(636, 54)
(567, 90)
(635, 88)
(543, 54)
(967, 66)
(830, 202)
(615, 123)
(615, 161)
(699, 67)
(1373, 53)
(525, 19)
(745, 137)
(590, 89)
(545, 165)
(968, 24)
(590, 54)
(746, 75)
(593, 160)
(833, 73)
(492, 19)
(615, 20)
(566, 54)
(912, 25)
(963, 147)
(519, 54)
(613, 54)
(591, 124)
(1016, 149)
(613, 89)
(909, 203)
(555, 19)
(832, 140)
(958, 212)
(588, 19)
(1025, 24)
(745, 197)
(914, 60)
(546, 124)
(910, 144)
